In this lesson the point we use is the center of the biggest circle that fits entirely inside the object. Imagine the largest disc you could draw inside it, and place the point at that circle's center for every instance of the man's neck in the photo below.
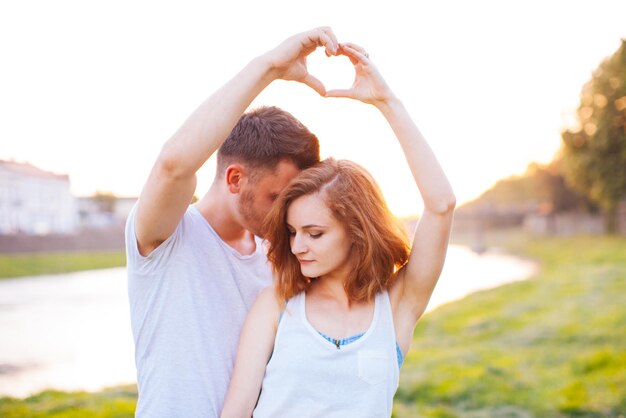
(215, 209)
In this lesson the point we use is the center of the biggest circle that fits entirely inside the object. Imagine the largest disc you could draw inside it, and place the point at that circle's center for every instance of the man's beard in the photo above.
(250, 217)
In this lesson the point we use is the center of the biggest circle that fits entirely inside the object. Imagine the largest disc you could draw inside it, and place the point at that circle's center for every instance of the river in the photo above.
(72, 331)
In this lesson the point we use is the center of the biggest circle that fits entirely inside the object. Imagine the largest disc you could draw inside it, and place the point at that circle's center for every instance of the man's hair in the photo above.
(379, 245)
(265, 136)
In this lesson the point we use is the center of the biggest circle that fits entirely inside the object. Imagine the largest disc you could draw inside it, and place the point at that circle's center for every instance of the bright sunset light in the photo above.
(93, 89)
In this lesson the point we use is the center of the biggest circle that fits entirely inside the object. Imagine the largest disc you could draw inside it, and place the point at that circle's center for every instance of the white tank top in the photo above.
(309, 376)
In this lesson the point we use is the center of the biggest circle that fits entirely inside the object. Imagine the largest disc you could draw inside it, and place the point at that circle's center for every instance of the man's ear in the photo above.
(235, 177)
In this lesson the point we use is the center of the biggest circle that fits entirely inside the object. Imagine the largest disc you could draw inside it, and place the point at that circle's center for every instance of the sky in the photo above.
(94, 89)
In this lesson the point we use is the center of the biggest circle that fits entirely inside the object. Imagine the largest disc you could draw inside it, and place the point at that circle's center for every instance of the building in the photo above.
(33, 201)
(123, 206)
(102, 211)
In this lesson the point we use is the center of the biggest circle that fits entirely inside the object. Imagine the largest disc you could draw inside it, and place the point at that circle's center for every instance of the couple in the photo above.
(340, 297)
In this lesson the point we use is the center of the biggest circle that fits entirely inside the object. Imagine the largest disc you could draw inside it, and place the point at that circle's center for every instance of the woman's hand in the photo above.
(369, 86)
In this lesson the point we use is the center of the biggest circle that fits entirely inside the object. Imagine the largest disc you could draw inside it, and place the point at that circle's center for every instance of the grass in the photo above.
(552, 346)
(110, 403)
(33, 264)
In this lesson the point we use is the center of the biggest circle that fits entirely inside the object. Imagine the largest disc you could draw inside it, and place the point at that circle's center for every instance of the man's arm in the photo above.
(172, 181)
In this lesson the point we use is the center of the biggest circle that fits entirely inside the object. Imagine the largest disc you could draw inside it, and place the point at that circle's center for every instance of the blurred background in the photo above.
(524, 104)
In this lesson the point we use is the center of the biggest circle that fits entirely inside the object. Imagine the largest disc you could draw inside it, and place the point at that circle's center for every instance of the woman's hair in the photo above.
(379, 245)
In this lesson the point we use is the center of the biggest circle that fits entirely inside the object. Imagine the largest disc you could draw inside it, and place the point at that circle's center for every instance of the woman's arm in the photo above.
(255, 348)
(416, 281)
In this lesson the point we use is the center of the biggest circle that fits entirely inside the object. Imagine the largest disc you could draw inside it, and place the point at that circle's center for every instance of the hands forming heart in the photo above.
(289, 62)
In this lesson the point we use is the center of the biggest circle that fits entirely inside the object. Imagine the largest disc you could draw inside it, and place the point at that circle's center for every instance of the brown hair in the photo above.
(265, 136)
(379, 245)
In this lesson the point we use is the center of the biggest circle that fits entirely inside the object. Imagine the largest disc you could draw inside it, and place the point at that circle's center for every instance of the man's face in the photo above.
(258, 196)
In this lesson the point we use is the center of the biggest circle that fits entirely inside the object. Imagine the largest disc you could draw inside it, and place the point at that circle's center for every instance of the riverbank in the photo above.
(549, 346)
(34, 264)
(552, 346)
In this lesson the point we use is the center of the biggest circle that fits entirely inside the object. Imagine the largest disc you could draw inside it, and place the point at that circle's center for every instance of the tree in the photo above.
(554, 190)
(541, 185)
(594, 155)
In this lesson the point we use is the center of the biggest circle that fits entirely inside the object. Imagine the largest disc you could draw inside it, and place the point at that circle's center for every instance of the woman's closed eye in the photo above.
(313, 234)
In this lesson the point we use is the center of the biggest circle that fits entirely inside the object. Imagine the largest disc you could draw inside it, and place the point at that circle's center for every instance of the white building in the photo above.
(123, 206)
(92, 213)
(34, 201)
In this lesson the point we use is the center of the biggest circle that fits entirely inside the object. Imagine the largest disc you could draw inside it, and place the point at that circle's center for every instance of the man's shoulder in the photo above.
(191, 234)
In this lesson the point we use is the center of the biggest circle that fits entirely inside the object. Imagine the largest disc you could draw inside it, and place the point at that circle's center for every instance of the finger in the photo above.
(333, 42)
(321, 39)
(339, 93)
(353, 53)
(315, 84)
(330, 47)
(325, 37)
(352, 59)
(355, 47)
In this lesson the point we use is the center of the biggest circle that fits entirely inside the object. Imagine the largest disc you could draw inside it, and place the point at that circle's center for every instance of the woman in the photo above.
(348, 293)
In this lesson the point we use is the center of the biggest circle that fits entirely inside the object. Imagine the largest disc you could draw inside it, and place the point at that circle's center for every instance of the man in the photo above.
(194, 271)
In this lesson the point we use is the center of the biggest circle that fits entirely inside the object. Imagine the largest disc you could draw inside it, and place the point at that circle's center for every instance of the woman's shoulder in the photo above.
(266, 308)
(269, 300)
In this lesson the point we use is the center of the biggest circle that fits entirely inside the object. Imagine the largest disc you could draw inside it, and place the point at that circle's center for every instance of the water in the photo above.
(72, 331)
(465, 272)
(69, 332)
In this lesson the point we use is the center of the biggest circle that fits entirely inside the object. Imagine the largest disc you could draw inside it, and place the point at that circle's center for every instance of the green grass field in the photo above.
(18, 265)
(111, 403)
(552, 346)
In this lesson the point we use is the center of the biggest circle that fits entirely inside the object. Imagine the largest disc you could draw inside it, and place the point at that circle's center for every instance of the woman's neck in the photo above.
(330, 287)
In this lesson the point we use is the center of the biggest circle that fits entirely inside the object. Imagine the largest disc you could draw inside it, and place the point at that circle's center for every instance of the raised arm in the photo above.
(172, 181)
(255, 348)
(417, 280)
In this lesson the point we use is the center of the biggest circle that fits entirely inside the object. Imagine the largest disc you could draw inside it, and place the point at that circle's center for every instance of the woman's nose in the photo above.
(297, 244)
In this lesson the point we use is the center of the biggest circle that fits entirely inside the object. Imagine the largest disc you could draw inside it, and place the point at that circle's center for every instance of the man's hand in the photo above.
(288, 60)
(172, 182)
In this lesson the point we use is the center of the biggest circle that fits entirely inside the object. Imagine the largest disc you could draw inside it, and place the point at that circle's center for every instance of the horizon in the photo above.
(126, 196)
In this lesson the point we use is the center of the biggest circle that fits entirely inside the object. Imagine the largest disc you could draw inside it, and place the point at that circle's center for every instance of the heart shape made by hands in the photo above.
(335, 72)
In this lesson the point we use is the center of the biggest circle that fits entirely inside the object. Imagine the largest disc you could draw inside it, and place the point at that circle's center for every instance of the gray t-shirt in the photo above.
(188, 301)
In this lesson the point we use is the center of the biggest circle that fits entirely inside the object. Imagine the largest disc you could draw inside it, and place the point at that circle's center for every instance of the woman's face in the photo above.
(317, 239)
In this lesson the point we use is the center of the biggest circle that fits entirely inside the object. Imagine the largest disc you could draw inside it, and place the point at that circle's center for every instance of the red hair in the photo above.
(379, 244)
